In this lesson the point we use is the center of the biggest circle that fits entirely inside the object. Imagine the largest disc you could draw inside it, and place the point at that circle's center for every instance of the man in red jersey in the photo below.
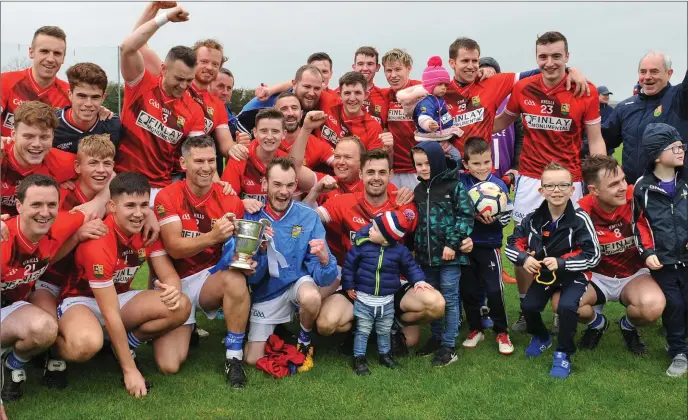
(366, 62)
(348, 117)
(397, 64)
(246, 177)
(39, 82)
(36, 237)
(100, 295)
(194, 227)
(318, 152)
(158, 112)
(553, 124)
(347, 213)
(474, 96)
(621, 275)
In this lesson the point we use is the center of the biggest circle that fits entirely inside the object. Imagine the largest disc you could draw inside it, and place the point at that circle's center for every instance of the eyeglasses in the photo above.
(677, 149)
(563, 186)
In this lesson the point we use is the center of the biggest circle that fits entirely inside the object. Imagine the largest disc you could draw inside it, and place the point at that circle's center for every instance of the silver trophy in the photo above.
(249, 235)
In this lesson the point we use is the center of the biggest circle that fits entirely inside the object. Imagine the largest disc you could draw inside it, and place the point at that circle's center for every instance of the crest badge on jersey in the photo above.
(210, 110)
(476, 100)
(181, 121)
(658, 111)
(565, 109)
(98, 271)
(160, 209)
(142, 254)
(378, 109)
(296, 231)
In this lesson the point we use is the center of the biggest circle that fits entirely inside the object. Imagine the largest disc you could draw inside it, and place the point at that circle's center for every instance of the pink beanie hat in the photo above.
(434, 74)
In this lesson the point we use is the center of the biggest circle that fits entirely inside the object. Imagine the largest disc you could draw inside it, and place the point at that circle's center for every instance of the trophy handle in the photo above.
(265, 223)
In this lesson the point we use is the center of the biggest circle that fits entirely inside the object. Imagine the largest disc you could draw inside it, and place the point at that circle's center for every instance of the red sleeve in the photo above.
(95, 260)
(504, 84)
(220, 118)
(197, 123)
(513, 106)
(165, 208)
(134, 90)
(5, 91)
(232, 174)
(65, 225)
(156, 249)
(332, 210)
(234, 204)
(324, 151)
(592, 109)
(374, 131)
(60, 164)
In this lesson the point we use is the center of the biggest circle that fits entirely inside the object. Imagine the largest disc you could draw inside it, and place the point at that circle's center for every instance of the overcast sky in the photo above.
(267, 42)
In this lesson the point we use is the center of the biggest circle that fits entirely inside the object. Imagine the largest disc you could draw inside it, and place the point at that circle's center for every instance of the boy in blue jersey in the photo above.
(297, 262)
(484, 275)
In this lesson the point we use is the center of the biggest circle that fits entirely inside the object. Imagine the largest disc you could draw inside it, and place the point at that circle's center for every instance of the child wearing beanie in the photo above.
(371, 277)
(426, 106)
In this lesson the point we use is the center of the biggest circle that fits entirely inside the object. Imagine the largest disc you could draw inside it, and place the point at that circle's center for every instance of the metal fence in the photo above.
(16, 57)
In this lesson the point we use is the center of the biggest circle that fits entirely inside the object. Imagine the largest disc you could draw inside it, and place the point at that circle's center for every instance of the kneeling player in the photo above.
(101, 296)
(193, 230)
(620, 276)
(35, 238)
(556, 244)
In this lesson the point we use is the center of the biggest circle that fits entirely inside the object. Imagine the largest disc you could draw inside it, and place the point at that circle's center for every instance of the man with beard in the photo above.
(39, 82)
(158, 112)
(658, 102)
(305, 265)
(318, 152)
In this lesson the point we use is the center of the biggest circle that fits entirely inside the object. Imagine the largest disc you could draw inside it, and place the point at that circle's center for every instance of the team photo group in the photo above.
(334, 208)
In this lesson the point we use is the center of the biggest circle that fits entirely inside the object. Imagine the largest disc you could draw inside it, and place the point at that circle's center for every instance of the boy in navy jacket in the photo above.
(370, 276)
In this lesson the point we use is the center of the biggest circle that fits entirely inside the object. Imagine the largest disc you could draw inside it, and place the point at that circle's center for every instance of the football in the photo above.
(488, 198)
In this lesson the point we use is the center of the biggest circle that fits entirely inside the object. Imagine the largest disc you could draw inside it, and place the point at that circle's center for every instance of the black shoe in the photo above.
(431, 346)
(234, 371)
(520, 324)
(346, 347)
(361, 366)
(591, 336)
(12, 380)
(54, 373)
(634, 341)
(195, 339)
(387, 361)
(399, 347)
(444, 356)
(38, 361)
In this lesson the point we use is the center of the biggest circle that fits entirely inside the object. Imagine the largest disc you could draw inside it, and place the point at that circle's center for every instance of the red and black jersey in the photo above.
(24, 262)
(474, 106)
(19, 87)
(553, 124)
(403, 129)
(57, 164)
(318, 152)
(198, 215)
(376, 104)
(339, 125)
(154, 127)
(620, 257)
(246, 176)
(111, 260)
(214, 112)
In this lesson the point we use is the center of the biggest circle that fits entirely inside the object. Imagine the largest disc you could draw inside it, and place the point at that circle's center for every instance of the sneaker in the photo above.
(54, 373)
(634, 341)
(507, 278)
(12, 380)
(235, 373)
(678, 368)
(520, 324)
(444, 356)
(561, 366)
(504, 343)
(555, 325)
(431, 346)
(591, 336)
(307, 350)
(399, 347)
(537, 347)
(474, 337)
(361, 366)
(387, 361)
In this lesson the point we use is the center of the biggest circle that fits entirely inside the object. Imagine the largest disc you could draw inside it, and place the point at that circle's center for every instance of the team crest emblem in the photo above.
(409, 215)
(210, 110)
(296, 231)
(423, 109)
(160, 209)
(378, 109)
(98, 271)
(476, 100)
(658, 111)
(565, 109)
(142, 254)
(181, 121)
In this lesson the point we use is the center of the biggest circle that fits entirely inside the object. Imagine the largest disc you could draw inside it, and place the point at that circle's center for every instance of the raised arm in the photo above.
(131, 60)
(313, 120)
